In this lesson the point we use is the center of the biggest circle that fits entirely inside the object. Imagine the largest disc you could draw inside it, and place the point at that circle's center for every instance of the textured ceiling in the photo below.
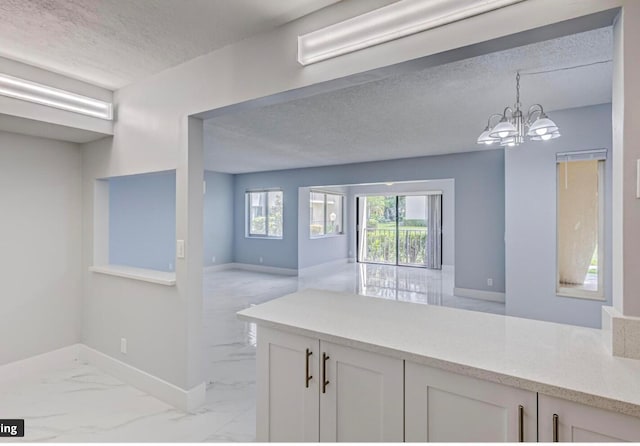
(435, 111)
(112, 43)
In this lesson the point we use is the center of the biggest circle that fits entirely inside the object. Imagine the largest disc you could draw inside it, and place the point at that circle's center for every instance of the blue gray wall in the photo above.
(530, 183)
(218, 218)
(479, 208)
(142, 220)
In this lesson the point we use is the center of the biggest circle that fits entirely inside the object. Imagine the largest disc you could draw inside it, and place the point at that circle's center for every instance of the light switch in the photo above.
(180, 249)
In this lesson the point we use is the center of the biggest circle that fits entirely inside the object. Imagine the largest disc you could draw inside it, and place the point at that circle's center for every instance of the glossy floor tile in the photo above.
(230, 343)
(79, 403)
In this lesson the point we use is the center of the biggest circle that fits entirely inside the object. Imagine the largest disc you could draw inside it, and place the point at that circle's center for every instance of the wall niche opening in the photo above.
(135, 226)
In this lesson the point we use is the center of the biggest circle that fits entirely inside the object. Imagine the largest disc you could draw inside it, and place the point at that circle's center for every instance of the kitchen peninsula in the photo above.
(343, 367)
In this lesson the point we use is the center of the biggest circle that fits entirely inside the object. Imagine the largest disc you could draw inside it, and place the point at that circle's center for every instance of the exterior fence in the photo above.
(380, 246)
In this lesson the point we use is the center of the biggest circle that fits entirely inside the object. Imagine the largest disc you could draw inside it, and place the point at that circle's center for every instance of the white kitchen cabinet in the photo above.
(442, 406)
(578, 423)
(288, 403)
(362, 399)
(309, 390)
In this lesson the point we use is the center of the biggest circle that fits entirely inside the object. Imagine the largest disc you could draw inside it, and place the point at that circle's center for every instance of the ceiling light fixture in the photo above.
(25, 90)
(513, 125)
(399, 19)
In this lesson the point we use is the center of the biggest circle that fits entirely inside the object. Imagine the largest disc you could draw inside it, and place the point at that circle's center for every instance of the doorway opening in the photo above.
(402, 230)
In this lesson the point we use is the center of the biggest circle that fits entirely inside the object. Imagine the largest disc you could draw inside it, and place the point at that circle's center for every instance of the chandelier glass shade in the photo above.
(513, 126)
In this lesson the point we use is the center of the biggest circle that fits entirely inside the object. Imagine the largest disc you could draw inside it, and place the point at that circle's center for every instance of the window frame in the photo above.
(324, 228)
(247, 219)
(581, 293)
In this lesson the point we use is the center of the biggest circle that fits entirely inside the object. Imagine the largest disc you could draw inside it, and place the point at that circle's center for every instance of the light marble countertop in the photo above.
(555, 359)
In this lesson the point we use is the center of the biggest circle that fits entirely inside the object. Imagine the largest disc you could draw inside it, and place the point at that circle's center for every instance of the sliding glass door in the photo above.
(412, 230)
(378, 230)
(400, 230)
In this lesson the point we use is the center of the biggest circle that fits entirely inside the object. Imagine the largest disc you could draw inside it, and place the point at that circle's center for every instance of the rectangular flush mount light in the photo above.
(17, 88)
(391, 22)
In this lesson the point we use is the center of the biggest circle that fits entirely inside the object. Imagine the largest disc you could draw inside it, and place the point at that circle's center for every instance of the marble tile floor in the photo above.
(79, 403)
(230, 349)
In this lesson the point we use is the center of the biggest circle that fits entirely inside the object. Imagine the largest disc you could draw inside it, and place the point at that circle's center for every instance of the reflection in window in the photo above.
(264, 213)
(580, 205)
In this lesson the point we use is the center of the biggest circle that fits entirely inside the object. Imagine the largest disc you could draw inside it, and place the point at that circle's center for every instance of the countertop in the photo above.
(554, 359)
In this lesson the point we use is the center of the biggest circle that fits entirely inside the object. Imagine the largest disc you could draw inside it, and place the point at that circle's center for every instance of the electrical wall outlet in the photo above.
(213, 259)
(490, 282)
(260, 259)
(123, 346)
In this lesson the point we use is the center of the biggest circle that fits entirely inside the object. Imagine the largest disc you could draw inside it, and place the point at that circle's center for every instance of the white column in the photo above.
(623, 319)
(189, 230)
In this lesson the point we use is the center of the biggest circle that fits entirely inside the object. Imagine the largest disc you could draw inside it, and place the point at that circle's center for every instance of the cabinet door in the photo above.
(363, 397)
(578, 423)
(287, 403)
(442, 406)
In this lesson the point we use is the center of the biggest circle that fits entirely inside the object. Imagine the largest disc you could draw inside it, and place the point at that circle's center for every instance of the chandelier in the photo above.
(510, 131)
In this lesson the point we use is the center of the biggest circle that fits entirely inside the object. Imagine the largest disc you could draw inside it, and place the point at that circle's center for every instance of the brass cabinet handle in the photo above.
(325, 381)
(521, 423)
(307, 377)
(555, 427)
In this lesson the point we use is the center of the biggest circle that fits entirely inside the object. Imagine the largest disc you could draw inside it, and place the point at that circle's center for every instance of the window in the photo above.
(264, 213)
(326, 214)
(580, 206)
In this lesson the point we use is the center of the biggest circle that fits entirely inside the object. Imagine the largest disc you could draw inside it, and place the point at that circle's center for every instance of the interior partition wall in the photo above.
(402, 230)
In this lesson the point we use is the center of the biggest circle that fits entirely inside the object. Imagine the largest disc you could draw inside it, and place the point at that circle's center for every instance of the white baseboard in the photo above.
(265, 269)
(310, 270)
(251, 267)
(479, 294)
(61, 357)
(219, 267)
(186, 400)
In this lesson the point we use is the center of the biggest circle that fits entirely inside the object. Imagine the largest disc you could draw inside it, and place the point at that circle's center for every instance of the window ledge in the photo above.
(129, 272)
(316, 237)
(579, 293)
